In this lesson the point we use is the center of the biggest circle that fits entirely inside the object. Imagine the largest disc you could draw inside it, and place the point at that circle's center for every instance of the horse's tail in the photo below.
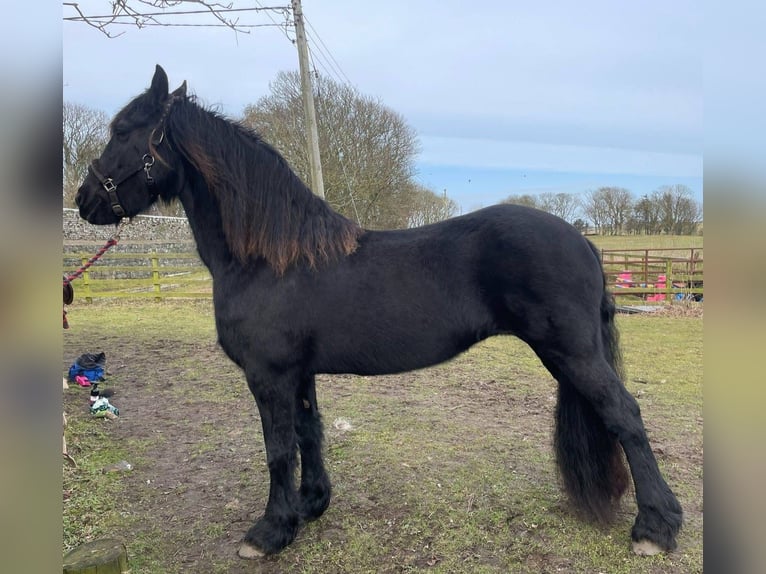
(589, 457)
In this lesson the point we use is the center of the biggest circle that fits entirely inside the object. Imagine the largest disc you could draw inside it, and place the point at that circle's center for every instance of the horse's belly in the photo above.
(393, 351)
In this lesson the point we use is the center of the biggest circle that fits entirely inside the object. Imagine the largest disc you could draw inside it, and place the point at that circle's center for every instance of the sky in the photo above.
(505, 97)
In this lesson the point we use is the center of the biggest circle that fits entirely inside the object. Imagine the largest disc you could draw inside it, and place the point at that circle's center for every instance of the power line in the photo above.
(329, 53)
(285, 25)
(333, 137)
(320, 54)
(317, 58)
(322, 60)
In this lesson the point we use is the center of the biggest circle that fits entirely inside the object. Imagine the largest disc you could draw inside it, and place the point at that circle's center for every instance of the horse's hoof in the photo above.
(646, 548)
(249, 552)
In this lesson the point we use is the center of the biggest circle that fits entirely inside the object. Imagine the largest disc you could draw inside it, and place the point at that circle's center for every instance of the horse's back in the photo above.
(521, 250)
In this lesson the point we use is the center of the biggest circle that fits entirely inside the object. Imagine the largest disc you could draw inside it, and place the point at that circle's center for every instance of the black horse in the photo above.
(301, 290)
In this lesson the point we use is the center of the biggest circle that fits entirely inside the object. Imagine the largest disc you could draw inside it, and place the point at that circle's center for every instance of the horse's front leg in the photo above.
(315, 486)
(275, 396)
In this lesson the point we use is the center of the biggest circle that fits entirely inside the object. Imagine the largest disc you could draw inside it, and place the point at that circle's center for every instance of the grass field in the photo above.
(447, 469)
(646, 241)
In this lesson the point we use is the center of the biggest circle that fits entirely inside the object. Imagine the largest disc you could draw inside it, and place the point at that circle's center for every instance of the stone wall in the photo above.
(152, 228)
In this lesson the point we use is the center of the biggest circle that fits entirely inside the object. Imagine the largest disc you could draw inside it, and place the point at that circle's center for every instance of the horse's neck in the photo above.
(206, 225)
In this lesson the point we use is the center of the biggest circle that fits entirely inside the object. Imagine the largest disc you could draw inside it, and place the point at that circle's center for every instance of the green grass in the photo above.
(445, 470)
(89, 495)
(646, 241)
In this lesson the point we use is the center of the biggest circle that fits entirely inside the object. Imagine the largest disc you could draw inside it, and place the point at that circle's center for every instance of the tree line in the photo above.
(368, 156)
(670, 209)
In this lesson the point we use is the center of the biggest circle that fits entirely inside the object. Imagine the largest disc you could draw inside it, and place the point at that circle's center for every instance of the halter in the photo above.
(110, 185)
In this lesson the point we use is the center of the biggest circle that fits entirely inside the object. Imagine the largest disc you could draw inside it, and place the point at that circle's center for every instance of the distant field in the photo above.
(646, 241)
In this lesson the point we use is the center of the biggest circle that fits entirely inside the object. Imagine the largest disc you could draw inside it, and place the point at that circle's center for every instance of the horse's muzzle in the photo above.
(93, 208)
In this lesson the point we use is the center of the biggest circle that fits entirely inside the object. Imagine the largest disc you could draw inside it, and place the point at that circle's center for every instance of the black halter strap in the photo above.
(110, 185)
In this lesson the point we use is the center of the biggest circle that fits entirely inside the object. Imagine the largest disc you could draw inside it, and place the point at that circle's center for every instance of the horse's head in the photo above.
(137, 165)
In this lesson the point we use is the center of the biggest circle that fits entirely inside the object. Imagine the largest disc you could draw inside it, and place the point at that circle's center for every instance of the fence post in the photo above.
(86, 281)
(646, 267)
(156, 277)
(669, 280)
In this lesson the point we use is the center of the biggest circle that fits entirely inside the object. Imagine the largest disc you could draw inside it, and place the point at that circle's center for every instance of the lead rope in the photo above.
(68, 290)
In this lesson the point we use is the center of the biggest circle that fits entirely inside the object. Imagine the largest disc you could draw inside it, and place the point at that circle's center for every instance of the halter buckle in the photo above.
(108, 184)
(148, 163)
(118, 210)
(157, 140)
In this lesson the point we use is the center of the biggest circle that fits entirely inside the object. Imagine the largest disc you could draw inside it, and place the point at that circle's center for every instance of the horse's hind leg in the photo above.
(275, 396)
(659, 513)
(315, 484)
(591, 391)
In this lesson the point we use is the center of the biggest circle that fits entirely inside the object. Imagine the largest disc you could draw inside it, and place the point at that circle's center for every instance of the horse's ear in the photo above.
(180, 91)
(159, 89)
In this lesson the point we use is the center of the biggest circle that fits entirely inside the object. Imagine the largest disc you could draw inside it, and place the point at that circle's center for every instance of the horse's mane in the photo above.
(267, 211)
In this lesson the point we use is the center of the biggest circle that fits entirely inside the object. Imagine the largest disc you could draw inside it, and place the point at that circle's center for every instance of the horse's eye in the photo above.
(120, 133)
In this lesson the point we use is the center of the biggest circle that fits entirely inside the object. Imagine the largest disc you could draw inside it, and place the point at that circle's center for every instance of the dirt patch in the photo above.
(448, 469)
(683, 309)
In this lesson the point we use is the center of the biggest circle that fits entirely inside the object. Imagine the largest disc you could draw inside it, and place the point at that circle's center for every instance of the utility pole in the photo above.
(312, 134)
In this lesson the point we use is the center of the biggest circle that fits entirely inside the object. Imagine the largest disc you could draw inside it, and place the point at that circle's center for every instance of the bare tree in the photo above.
(609, 208)
(679, 214)
(427, 207)
(86, 131)
(594, 208)
(580, 225)
(646, 217)
(619, 204)
(523, 199)
(563, 205)
(145, 13)
(367, 149)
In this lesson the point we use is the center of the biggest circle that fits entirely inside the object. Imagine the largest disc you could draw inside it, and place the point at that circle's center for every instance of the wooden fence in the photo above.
(152, 274)
(648, 274)
(655, 274)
